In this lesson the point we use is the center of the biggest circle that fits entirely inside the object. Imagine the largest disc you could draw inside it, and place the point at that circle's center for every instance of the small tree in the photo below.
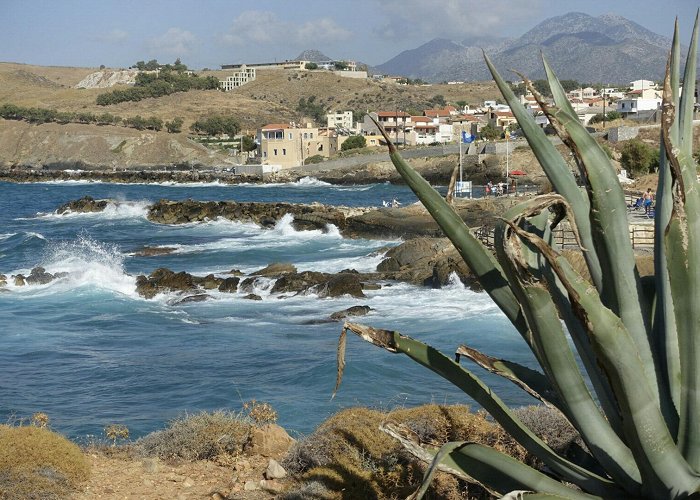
(490, 133)
(638, 158)
(354, 142)
(174, 126)
(311, 65)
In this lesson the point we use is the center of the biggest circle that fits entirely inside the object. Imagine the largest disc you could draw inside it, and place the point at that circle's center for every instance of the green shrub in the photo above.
(354, 142)
(638, 157)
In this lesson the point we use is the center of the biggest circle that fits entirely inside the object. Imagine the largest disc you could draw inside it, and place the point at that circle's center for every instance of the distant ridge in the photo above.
(605, 49)
(313, 56)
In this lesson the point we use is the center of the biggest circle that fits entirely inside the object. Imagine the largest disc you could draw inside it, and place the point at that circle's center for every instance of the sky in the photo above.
(209, 33)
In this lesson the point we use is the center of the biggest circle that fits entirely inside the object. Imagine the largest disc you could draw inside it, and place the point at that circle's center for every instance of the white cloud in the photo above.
(175, 41)
(264, 27)
(453, 19)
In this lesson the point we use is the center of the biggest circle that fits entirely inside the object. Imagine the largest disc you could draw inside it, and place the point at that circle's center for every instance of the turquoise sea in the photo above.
(89, 351)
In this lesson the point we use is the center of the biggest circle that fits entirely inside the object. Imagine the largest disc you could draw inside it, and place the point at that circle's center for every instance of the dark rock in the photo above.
(199, 297)
(229, 285)
(20, 280)
(298, 282)
(275, 270)
(83, 205)
(209, 282)
(248, 284)
(39, 276)
(252, 296)
(235, 272)
(444, 268)
(341, 284)
(351, 311)
(163, 280)
(153, 251)
(3, 280)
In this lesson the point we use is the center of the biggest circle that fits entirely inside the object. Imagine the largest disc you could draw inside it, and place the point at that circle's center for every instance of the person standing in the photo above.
(648, 199)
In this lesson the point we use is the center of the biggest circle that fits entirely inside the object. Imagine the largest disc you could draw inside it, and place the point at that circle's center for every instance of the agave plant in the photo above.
(637, 339)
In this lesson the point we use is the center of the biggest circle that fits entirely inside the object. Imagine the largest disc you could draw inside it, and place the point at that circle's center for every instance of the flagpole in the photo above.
(460, 163)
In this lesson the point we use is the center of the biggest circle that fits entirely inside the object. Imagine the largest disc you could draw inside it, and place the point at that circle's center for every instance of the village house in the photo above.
(396, 124)
(340, 120)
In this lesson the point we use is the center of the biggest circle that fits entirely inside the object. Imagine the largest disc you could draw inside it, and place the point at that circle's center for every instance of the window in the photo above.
(275, 150)
(311, 135)
(290, 135)
(264, 154)
(284, 151)
(306, 136)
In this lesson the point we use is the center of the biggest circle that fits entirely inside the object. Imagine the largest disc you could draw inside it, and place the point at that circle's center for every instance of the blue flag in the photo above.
(467, 139)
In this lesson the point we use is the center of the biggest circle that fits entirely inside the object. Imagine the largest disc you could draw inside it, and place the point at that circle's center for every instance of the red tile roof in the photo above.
(276, 126)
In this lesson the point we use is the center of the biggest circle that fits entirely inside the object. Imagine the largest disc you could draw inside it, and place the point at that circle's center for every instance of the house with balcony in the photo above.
(288, 145)
(642, 84)
(442, 114)
(396, 124)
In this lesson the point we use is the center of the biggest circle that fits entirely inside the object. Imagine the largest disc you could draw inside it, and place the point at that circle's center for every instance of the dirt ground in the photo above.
(119, 476)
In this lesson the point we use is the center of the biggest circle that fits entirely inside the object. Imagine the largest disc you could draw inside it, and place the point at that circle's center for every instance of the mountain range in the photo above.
(604, 49)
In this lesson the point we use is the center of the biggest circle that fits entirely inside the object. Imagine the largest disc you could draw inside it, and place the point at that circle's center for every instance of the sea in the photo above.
(88, 351)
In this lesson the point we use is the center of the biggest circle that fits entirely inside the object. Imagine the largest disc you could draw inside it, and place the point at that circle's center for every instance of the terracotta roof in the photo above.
(392, 113)
(276, 126)
(419, 119)
(503, 113)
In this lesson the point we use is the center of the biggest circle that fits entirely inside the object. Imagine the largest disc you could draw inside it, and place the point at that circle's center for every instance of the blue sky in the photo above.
(208, 33)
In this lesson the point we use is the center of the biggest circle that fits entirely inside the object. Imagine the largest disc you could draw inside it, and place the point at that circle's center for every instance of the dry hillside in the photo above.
(273, 97)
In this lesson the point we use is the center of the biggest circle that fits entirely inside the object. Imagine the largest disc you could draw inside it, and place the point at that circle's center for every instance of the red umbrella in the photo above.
(517, 172)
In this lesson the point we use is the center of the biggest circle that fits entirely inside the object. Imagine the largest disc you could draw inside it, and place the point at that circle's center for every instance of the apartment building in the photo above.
(238, 78)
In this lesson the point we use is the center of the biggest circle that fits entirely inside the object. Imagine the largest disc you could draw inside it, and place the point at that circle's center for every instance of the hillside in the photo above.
(272, 97)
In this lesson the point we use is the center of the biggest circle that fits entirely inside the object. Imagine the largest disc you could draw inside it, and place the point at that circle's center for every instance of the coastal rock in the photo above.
(3, 280)
(198, 297)
(341, 284)
(323, 284)
(209, 282)
(83, 205)
(20, 280)
(39, 276)
(164, 280)
(275, 470)
(252, 296)
(229, 285)
(275, 270)
(153, 251)
(350, 311)
(270, 440)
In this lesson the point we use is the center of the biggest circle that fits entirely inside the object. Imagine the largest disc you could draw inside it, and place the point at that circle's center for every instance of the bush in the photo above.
(313, 159)
(38, 463)
(198, 437)
(349, 453)
(354, 142)
(638, 158)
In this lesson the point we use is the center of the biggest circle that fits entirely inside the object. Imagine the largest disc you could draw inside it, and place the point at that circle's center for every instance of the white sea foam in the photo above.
(113, 210)
(86, 262)
(4, 236)
(250, 236)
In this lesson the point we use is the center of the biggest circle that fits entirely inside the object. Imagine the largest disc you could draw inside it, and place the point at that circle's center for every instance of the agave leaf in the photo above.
(622, 291)
(664, 470)
(556, 169)
(559, 363)
(531, 381)
(664, 326)
(683, 252)
(535, 266)
(479, 259)
(471, 384)
(558, 93)
(505, 473)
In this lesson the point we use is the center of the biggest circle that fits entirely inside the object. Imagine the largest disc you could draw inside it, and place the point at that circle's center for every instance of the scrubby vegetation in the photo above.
(164, 81)
(43, 115)
(354, 142)
(36, 463)
(348, 453)
(638, 157)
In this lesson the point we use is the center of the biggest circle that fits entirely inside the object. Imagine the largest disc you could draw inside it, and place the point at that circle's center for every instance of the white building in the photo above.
(340, 119)
(238, 78)
(642, 84)
(634, 105)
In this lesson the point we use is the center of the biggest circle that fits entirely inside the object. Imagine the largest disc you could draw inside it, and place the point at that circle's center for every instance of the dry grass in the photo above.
(38, 463)
(352, 458)
(203, 436)
(272, 97)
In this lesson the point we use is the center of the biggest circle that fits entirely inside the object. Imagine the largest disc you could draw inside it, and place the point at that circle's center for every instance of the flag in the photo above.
(467, 139)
